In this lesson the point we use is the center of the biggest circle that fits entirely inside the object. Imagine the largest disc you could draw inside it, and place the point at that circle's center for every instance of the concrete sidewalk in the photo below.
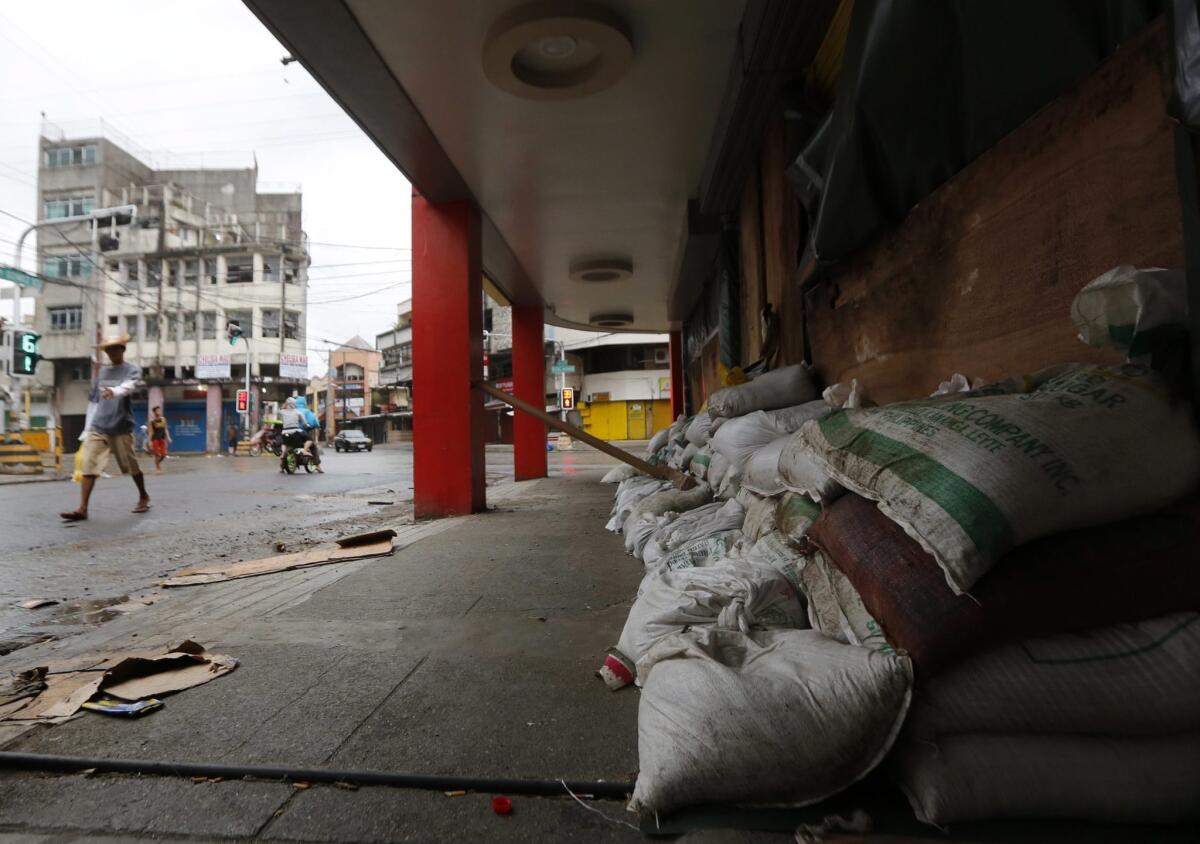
(470, 651)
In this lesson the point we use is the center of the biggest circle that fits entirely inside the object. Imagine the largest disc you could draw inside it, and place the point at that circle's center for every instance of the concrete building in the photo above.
(194, 251)
(356, 374)
(625, 388)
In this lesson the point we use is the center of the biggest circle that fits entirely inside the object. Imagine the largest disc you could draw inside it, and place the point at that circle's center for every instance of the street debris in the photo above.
(131, 676)
(358, 547)
(381, 503)
(456, 793)
(37, 603)
(502, 805)
(112, 706)
(937, 549)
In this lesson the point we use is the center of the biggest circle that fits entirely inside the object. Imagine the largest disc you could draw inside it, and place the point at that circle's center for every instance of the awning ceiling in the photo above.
(560, 181)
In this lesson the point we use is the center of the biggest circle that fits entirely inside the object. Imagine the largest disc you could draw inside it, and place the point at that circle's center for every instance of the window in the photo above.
(271, 267)
(112, 320)
(169, 333)
(191, 272)
(71, 156)
(189, 326)
(66, 266)
(208, 324)
(245, 319)
(352, 372)
(152, 326)
(660, 355)
(171, 273)
(239, 269)
(291, 271)
(80, 372)
(153, 274)
(131, 326)
(131, 272)
(291, 325)
(66, 319)
(405, 354)
(270, 323)
(68, 206)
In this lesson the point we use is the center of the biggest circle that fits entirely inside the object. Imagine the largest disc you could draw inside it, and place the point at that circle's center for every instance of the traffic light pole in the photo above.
(249, 395)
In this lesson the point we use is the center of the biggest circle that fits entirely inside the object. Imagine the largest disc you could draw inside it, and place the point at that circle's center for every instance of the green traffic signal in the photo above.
(25, 352)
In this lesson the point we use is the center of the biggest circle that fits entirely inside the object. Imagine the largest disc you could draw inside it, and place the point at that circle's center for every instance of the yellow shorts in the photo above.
(97, 447)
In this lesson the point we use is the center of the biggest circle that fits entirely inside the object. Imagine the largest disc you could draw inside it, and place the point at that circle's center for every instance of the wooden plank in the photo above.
(658, 471)
(781, 241)
(979, 277)
(750, 287)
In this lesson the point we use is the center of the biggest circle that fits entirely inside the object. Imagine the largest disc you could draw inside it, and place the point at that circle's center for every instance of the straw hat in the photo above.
(113, 340)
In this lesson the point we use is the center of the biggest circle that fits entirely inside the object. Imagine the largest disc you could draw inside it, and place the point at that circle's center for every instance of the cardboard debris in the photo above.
(129, 676)
(376, 544)
(36, 603)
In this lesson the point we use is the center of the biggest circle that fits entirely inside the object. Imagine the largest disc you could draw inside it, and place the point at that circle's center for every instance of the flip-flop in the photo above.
(141, 508)
(72, 516)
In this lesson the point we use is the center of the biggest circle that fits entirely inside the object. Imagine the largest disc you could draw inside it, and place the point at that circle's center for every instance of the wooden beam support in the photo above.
(666, 473)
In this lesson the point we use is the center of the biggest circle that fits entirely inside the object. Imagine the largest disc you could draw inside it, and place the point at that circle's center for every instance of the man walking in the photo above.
(231, 435)
(111, 427)
(160, 438)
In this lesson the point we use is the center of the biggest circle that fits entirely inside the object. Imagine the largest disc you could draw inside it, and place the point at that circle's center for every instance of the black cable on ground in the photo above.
(432, 782)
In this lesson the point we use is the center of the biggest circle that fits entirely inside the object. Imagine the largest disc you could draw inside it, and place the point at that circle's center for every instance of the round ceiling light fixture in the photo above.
(557, 50)
(602, 269)
(611, 319)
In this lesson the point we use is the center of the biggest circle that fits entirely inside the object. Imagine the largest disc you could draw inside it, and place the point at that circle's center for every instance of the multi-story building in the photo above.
(169, 257)
(395, 347)
(355, 365)
(625, 389)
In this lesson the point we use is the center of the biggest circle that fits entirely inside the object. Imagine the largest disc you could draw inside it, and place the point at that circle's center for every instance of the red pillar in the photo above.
(447, 319)
(676, 355)
(529, 383)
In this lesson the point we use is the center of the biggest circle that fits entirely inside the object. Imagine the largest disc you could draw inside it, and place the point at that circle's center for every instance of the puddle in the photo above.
(89, 611)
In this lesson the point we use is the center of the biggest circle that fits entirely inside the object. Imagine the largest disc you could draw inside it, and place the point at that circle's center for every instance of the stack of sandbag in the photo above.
(696, 525)
(629, 494)
(658, 509)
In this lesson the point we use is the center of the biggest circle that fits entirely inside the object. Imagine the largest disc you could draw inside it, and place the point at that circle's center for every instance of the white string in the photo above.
(597, 811)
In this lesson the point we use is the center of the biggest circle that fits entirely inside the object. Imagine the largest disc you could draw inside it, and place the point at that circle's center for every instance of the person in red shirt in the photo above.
(160, 438)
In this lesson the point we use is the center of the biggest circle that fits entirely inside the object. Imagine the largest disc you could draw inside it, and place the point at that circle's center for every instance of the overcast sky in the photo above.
(201, 84)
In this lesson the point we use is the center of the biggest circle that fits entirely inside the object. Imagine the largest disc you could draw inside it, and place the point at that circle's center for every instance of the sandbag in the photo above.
(777, 716)
(848, 394)
(760, 514)
(795, 515)
(658, 442)
(682, 458)
(800, 471)
(718, 465)
(619, 473)
(761, 475)
(731, 595)
(738, 439)
(669, 499)
(700, 463)
(974, 476)
(629, 494)
(772, 549)
(976, 777)
(1132, 310)
(640, 528)
(792, 419)
(1141, 568)
(834, 606)
(698, 523)
(700, 552)
(1132, 679)
(699, 431)
(778, 388)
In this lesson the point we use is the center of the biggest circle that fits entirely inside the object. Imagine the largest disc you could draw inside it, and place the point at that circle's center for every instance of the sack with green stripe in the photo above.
(973, 476)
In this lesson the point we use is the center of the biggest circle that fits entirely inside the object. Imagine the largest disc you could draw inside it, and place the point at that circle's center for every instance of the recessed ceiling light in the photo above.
(611, 319)
(557, 50)
(602, 269)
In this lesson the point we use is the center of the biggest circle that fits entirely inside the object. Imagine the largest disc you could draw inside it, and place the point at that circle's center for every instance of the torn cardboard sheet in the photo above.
(375, 544)
(129, 676)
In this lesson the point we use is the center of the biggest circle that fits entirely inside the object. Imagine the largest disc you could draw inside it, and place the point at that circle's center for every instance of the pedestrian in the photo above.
(110, 431)
(160, 438)
(232, 436)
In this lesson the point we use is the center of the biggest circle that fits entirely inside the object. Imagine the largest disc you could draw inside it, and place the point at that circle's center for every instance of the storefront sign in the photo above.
(212, 366)
(293, 366)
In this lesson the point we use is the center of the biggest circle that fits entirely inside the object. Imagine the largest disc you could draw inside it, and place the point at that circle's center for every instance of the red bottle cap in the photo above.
(502, 805)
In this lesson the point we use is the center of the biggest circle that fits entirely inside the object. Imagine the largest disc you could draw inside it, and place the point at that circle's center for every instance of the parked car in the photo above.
(352, 440)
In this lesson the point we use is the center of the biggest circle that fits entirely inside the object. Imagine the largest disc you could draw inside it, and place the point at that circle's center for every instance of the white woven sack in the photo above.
(699, 431)
(738, 439)
(795, 515)
(1124, 307)
(802, 472)
(834, 606)
(699, 523)
(718, 465)
(777, 716)
(699, 466)
(730, 595)
(700, 552)
(1125, 680)
(619, 473)
(791, 419)
(760, 514)
(976, 777)
(761, 475)
(970, 477)
(778, 388)
(658, 442)
(640, 528)
(629, 494)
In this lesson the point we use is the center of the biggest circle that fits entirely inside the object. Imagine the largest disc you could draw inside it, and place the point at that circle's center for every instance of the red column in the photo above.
(676, 355)
(529, 383)
(447, 319)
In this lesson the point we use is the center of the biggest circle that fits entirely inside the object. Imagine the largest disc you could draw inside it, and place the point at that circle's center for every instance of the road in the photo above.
(203, 509)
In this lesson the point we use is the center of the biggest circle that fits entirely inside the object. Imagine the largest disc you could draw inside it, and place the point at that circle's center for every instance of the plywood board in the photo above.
(750, 287)
(781, 239)
(979, 277)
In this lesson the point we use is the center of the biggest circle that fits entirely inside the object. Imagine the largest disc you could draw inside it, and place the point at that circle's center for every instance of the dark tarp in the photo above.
(926, 87)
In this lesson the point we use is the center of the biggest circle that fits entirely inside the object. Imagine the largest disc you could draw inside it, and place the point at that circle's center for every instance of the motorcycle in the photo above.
(296, 457)
(265, 441)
